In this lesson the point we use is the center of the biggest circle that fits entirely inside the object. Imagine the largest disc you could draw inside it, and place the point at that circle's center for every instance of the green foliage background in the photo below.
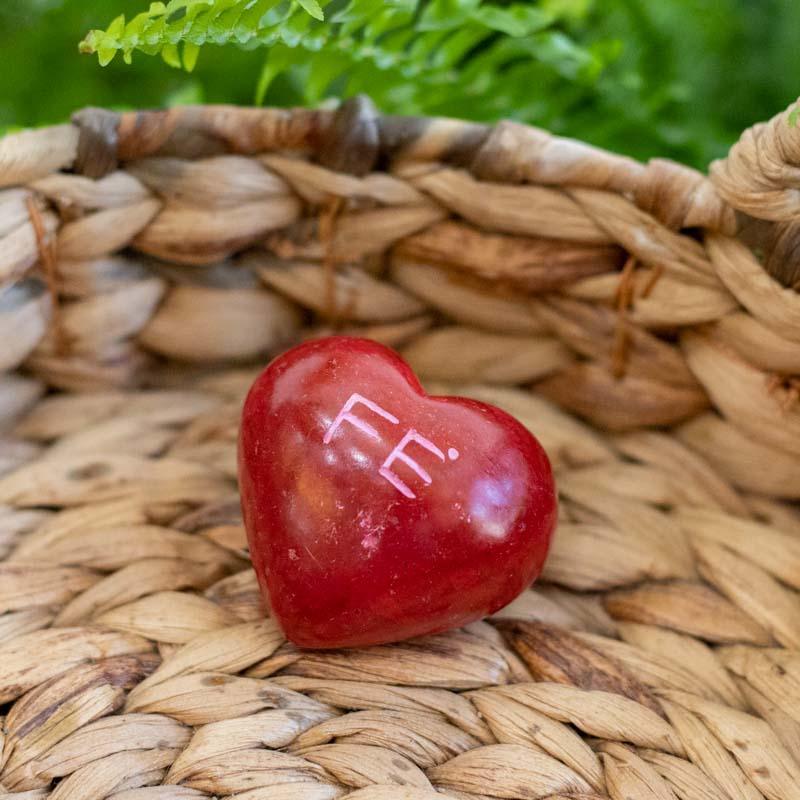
(678, 78)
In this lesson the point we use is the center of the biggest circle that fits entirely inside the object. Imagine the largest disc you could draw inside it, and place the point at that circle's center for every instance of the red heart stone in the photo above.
(375, 512)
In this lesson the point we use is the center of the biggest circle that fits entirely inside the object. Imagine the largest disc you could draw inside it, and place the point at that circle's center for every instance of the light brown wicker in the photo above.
(150, 262)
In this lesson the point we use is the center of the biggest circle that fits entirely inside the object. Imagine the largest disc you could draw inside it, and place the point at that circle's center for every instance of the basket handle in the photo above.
(760, 179)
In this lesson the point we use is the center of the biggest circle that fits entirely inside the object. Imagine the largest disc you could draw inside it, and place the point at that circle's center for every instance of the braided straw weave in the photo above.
(151, 262)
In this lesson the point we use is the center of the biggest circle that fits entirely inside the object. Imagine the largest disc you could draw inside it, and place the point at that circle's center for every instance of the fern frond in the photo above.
(411, 55)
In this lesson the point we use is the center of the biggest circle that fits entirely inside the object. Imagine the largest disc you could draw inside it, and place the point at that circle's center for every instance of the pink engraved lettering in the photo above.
(399, 453)
(345, 414)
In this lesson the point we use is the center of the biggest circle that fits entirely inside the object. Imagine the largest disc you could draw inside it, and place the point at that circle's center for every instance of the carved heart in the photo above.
(375, 512)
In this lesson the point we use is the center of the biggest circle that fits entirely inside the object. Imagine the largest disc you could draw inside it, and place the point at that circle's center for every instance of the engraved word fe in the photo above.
(398, 454)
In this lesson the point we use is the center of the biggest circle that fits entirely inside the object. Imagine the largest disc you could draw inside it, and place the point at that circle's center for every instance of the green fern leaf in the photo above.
(412, 56)
(171, 56)
(190, 54)
(313, 8)
(516, 20)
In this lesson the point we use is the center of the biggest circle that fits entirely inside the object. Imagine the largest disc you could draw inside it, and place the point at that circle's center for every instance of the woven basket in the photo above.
(151, 262)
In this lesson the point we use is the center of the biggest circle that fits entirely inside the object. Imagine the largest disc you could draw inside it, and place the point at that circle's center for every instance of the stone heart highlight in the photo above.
(376, 512)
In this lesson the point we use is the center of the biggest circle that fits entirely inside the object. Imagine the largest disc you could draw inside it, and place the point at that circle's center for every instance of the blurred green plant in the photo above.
(678, 78)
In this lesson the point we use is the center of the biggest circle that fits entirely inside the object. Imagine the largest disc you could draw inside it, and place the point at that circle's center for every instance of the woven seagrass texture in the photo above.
(642, 320)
